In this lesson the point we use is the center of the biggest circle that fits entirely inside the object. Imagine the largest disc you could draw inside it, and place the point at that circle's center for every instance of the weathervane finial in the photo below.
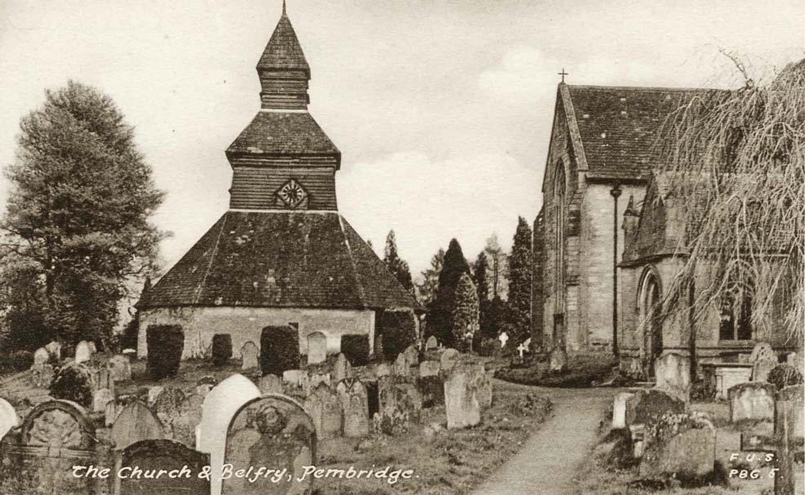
(283, 8)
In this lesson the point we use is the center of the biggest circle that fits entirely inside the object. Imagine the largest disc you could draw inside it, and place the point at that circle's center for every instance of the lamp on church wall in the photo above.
(615, 192)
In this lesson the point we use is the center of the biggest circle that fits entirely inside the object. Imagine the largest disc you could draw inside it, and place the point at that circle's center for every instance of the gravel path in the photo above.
(549, 459)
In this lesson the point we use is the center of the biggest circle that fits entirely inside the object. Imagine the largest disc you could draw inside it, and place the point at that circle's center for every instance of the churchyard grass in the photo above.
(583, 371)
(445, 462)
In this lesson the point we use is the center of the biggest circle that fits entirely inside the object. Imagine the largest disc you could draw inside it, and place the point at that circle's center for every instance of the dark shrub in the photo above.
(784, 375)
(356, 349)
(279, 350)
(165, 345)
(73, 382)
(21, 360)
(221, 348)
(399, 331)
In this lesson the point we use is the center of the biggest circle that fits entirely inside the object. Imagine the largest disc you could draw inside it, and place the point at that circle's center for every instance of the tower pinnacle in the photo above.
(283, 69)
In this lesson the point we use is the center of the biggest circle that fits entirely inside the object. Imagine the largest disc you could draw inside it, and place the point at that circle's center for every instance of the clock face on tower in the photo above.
(292, 194)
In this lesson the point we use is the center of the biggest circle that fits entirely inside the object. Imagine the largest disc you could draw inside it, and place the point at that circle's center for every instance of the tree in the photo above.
(430, 280)
(440, 318)
(520, 278)
(79, 209)
(498, 261)
(738, 173)
(479, 275)
(465, 313)
(397, 266)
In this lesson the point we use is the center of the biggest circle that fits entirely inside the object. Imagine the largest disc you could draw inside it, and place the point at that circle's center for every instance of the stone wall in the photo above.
(246, 324)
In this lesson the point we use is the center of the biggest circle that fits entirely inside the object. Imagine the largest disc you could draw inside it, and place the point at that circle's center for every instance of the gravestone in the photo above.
(324, 409)
(343, 369)
(763, 351)
(272, 431)
(761, 369)
(788, 437)
(41, 356)
(431, 343)
(461, 402)
(672, 373)
(42, 375)
(752, 400)
(134, 423)
(428, 368)
(100, 398)
(92, 348)
(680, 447)
(355, 404)
(119, 367)
(55, 436)
(187, 419)
(8, 417)
(153, 394)
(270, 384)
(400, 404)
(412, 355)
(316, 348)
(168, 405)
(558, 359)
(448, 359)
(619, 410)
(483, 384)
(250, 355)
(402, 367)
(165, 455)
(54, 349)
(730, 374)
(383, 369)
(218, 409)
(314, 380)
(503, 338)
(83, 352)
(294, 377)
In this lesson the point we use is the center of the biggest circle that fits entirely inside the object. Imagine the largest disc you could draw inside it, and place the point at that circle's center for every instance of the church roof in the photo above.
(281, 259)
(283, 133)
(283, 50)
(618, 126)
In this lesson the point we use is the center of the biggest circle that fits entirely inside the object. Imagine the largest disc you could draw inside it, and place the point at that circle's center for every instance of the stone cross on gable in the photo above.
(563, 74)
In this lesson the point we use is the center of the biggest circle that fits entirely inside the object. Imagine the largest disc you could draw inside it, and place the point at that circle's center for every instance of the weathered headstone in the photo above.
(270, 384)
(294, 377)
(752, 400)
(449, 359)
(429, 368)
(168, 405)
(187, 419)
(761, 369)
(325, 410)
(167, 455)
(402, 367)
(313, 381)
(343, 369)
(383, 369)
(680, 446)
(558, 359)
(672, 373)
(134, 423)
(316, 348)
(355, 404)
(788, 435)
(100, 398)
(400, 404)
(431, 343)
(219, 407)
(483, 384)
(461, 397)
(272, 431)
(83, 352)
(42, 375)
(412, 355)
(8, 417)
(119, 367)
(763, 351)
(153, 394)
(54, 348)
(250, 355)
(619, 410)
(41, 356)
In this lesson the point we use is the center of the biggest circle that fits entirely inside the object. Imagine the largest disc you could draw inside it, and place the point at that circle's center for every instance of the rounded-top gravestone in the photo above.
(250, 355)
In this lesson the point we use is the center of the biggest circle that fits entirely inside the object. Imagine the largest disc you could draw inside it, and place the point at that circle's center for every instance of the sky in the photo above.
(442, 109)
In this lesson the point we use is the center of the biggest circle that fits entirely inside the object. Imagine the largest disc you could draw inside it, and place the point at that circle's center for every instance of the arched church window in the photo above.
(735, 314)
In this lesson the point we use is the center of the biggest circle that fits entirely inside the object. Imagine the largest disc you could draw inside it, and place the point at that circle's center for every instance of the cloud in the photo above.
(427, 202)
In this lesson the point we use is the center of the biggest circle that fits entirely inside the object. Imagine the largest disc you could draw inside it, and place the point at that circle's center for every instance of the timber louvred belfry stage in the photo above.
(282, 254)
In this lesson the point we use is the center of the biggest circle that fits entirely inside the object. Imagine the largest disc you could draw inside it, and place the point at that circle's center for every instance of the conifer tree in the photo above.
(426, 289)
(79, 210)
(397, 266)
(520, 278)
(465, 313)
(440, 319)
(480, 278)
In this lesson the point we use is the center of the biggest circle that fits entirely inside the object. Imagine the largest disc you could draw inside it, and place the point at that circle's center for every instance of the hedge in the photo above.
(279, 350)
(783, 375)
(399, 331)
(356, 349)
(165, 345)
(73, 382)
(221, 348)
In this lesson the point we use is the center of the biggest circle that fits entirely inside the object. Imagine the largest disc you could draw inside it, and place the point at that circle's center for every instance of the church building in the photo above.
(599, 156)
(282, 254)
